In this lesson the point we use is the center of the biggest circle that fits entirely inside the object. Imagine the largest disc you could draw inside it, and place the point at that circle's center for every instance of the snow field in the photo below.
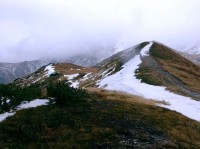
(125, 81)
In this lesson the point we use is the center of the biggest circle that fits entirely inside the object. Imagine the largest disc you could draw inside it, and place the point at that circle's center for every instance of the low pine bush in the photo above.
(12, 95)
(65, 94)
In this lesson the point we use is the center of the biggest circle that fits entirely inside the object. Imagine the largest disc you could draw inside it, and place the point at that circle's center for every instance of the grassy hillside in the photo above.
(167, 68)
(178, 66)
(105, 120)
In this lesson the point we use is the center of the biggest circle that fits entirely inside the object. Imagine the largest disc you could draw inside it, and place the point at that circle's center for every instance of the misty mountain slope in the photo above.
(195, 58)
(192, 49)
(112, 65)
(85, 60)
(57, 72)
(191, 52)
(125, 80)
(162, 67)
(12, 71)
(149, 69)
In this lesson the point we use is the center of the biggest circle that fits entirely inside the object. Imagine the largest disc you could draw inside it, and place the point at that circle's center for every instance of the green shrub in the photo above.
(64, 94)
(16, 94)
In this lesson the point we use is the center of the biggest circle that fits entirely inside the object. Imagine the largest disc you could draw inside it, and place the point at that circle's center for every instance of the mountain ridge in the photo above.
(11, 71)
(114, 63)
(163, 57)
(146, 96)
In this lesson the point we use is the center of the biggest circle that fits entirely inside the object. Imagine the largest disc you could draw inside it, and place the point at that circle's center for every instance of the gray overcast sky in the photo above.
(31, 29)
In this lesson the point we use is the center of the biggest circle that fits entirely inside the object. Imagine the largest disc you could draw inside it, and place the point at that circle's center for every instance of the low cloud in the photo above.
(47, 28)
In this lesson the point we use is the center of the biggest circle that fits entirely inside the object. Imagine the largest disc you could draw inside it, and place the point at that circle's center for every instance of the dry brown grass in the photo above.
(178, 127)
(68, 69)
(103, 121)
(72, 69)
(120, 96)
(178, 66)
(189, 75)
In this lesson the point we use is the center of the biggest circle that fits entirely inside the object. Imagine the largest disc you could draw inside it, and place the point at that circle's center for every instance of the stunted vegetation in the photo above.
(104, 120)
(120, 96)
(64, 94)
(12, 95)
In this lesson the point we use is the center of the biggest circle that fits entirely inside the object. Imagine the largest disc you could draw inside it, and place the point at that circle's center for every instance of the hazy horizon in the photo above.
(34, 29)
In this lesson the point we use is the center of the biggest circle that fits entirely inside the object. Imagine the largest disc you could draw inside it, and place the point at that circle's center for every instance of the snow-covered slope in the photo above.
(71, 73)
(126, 81)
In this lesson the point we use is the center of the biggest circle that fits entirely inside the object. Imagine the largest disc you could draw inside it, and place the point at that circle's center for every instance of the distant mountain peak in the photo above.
(192, 49)
(119, 47)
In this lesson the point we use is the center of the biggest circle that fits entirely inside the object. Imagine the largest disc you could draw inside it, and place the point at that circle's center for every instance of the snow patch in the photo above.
(8, 101)
(33, 104)
(107, 72)
(70, 78)
(5, 115)
(125, 80)
(4, 99)
(86, 77)
(50, 70)
(145, 50)
(36, 80)
(24, 105)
